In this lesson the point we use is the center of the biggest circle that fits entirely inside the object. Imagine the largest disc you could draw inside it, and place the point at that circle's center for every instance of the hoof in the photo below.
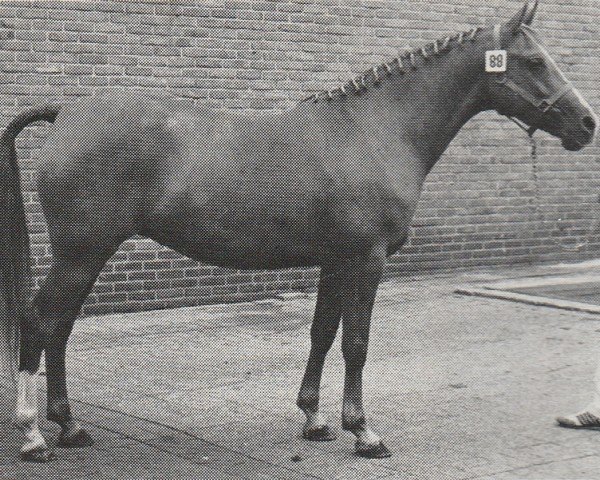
(78, 440)
(372, 451)
(319, 434)
(38, 455)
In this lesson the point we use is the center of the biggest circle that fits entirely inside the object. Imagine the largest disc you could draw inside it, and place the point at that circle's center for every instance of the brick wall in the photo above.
(480, 205)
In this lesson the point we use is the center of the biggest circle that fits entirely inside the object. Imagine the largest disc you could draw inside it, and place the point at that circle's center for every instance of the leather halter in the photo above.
(542, 104)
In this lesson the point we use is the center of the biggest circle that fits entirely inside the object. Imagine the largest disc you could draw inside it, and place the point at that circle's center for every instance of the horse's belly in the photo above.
(242, 249)
(258, 260)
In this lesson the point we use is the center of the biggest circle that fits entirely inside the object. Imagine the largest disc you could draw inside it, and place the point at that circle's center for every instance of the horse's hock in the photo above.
(481, 205)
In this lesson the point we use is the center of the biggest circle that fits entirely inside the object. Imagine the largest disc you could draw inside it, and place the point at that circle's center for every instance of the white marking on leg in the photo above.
(27, 412)
(366, 438)
(314, 421)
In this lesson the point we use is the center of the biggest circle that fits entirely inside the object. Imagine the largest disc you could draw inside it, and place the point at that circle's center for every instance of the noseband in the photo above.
(544, 105)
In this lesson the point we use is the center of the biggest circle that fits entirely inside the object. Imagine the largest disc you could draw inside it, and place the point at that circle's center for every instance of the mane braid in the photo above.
(378, 73)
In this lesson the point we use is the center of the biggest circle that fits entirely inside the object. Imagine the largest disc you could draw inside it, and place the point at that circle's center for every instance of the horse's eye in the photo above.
(535, 62)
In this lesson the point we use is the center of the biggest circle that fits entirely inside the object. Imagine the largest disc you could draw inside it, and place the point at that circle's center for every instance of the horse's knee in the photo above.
(320, 348)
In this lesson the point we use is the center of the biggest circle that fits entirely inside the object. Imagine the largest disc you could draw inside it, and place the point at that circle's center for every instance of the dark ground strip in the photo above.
(581, 292)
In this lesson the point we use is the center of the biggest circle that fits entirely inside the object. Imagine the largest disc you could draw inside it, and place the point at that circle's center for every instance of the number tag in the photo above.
(496, 61)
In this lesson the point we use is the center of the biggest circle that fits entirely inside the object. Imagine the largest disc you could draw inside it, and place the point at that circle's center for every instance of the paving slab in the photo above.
(459, 388)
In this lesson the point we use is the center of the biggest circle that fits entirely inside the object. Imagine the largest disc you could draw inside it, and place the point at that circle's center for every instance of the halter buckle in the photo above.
(545, 106)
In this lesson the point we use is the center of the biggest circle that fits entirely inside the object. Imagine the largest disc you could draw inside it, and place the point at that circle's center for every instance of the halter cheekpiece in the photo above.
(543, 104)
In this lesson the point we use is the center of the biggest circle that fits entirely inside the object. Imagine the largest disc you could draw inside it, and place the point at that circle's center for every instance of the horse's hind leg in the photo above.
(26, 417)
(325, 324)
(56, 306)
(60, 302)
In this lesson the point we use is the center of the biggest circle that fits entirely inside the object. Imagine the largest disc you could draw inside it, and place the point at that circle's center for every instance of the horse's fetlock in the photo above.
(353, 418)
(26, 417)
(354, 424)
(308, 402)
(59, 412)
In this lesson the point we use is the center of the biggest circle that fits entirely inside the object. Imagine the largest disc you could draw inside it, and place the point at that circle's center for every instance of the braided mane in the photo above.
(401, 64)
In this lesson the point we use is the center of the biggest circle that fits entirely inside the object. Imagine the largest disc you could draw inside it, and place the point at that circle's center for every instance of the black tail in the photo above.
(15, 268)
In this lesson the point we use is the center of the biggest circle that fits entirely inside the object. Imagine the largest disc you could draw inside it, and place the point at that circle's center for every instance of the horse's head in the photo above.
(532, 88)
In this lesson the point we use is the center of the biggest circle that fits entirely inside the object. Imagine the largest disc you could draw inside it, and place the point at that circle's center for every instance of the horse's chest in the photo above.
(369, 217)
(397, 214)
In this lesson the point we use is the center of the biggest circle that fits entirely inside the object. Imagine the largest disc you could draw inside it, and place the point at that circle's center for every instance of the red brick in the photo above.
(478, 205)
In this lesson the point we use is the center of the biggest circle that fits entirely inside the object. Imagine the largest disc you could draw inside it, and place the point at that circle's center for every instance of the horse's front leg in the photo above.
(324, 328)
(358, 296)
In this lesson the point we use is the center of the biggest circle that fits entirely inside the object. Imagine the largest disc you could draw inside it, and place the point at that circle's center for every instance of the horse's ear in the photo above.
(531, 14)
(525, 16)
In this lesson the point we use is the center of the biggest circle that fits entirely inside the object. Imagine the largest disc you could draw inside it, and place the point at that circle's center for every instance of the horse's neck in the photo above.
(421, 111)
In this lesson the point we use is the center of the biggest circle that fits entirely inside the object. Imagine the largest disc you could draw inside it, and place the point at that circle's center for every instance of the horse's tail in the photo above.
(15, 266)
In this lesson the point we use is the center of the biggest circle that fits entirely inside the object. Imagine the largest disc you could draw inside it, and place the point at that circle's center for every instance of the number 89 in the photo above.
(497, 61)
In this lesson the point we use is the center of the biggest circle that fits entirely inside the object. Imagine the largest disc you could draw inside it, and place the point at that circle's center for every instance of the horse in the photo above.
(332, 182)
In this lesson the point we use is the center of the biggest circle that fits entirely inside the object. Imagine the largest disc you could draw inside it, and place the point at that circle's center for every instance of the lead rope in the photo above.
(576, 247)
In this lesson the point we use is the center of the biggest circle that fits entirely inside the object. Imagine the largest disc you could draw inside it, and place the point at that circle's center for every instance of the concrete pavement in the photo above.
(459, 388)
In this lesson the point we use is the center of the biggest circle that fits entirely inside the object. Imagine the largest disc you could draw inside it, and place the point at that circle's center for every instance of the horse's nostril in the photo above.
(589, 124)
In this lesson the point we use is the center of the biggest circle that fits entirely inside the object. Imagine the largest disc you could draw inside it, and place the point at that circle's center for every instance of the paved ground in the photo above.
(459, 387)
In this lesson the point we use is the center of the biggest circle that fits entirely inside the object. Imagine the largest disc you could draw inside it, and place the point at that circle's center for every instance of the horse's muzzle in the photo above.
(572, 145)
(579, 134)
